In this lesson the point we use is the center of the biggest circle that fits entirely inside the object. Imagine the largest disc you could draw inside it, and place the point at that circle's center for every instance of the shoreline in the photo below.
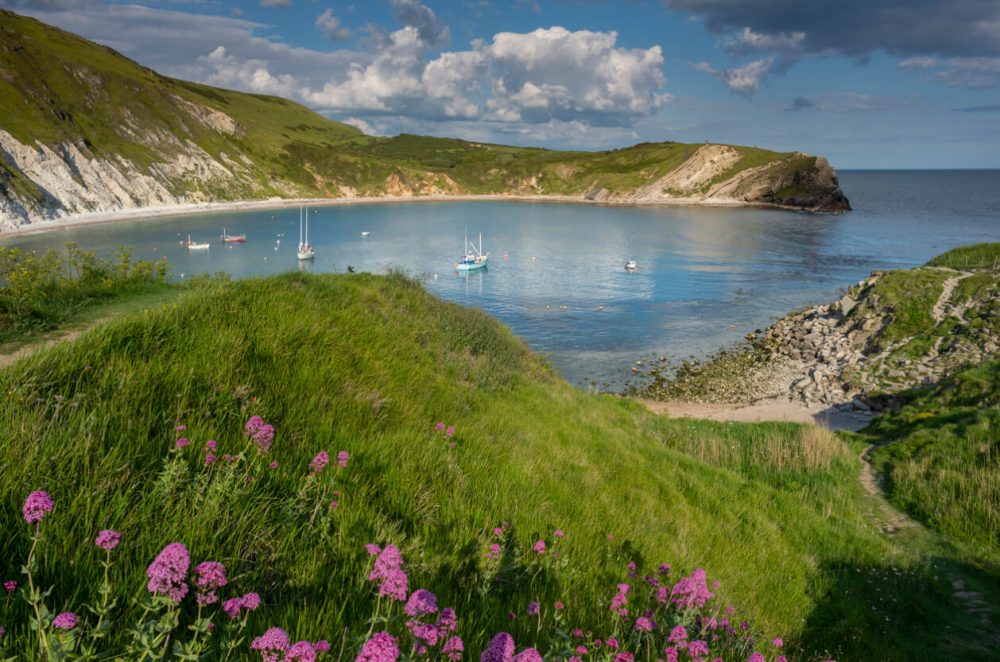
(191, 209)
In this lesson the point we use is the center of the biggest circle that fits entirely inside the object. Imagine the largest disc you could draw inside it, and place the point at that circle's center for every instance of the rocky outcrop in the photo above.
(851, 353)
(712, 176)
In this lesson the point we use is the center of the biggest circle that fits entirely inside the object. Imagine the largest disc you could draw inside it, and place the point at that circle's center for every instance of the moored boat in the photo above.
(306, 251)
(474, 258)
(196, 246)
(630, 265)
(232, 238)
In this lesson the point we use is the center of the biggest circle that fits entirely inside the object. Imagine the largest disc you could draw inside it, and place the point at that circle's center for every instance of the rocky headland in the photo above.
(890, 332)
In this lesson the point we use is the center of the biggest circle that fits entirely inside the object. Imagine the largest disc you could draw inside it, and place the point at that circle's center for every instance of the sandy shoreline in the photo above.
(139, 213)
(773, 409)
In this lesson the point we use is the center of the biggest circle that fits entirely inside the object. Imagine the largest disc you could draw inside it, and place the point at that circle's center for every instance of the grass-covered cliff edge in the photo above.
(84, 129)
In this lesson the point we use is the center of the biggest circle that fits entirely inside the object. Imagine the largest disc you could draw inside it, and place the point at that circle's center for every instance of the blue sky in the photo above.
(867, 83)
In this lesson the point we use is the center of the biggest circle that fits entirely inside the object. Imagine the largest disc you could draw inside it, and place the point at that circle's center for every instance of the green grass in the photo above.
(941, 454)
(42, 292)
(976, 256)
(368, 364)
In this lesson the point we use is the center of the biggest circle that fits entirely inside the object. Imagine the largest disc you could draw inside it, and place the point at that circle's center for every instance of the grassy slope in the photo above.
(941, 455)
(57, 87)
(368, 364)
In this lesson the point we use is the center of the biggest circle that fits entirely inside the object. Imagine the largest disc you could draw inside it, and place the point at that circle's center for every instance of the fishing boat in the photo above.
(195, 246)
(630, 265)
(232, 238)
(474, 258)
(306, 251)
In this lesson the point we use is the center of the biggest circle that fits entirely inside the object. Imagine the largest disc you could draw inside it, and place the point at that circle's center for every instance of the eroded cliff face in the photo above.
(712, 175)
(39, 182)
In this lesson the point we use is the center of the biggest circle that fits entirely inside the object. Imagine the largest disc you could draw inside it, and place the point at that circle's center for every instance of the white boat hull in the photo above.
(465, 266)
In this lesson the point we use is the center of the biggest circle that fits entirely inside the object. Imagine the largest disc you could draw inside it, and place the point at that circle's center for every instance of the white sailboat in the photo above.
(306, 252)
(474, 258)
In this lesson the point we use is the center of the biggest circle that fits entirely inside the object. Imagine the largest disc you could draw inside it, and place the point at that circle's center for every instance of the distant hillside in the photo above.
(84, 129)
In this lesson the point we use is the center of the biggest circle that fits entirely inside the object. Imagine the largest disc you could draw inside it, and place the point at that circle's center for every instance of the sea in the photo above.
(705, 276)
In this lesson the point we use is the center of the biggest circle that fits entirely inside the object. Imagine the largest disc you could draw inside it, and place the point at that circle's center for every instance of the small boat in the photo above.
(195, 246)
(630, 265)
(232, 238)
(365, 233)
(474, 258)
(306, 251)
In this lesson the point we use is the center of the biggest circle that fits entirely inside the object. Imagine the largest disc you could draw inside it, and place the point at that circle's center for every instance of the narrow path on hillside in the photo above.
(15, 350)
(893, 522)
(943, 304)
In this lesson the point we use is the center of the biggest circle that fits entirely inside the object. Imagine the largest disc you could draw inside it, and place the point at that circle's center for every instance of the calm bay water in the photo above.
(706, 276)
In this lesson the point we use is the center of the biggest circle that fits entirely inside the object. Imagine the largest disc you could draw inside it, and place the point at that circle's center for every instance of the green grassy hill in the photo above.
(107, 119)
(369, 365)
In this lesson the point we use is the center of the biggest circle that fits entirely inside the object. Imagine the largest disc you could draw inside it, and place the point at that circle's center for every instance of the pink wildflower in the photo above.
(664, 569)
(448, 620)
(777, 642)
(209, 459)
(453, 648)
(581, 650)
(558, 533)
(319, 462)
(37, 506)
(373, 550)
(301, 651)
(181, 428)
(380, 648)
(233, 607)
(211, 576)
(697, 649)
(573, 658)
(559, 605)
(270, 644)
(211, 444)
(64, 621)
(439, 426)
(422, 602)
(342, 458)
(539, 547)
(260, 433)
(691, 591)
(273, 465)
(250, 601)
(322, 646)
(643, 624)
(612, 643)
(577, 633)
(183, 442)
(631, 569)
(498, 531)
(678, 636)
(334, 505)
(10, 585)
(624, 657)
(756, 657)
(168, 571)
(450, 432)
(426, 633)
(388, 572)
(671, 654)
(781, 658)
(528, 655)
(501, 649)
(533, 609)
(108, 539)
(228, 458)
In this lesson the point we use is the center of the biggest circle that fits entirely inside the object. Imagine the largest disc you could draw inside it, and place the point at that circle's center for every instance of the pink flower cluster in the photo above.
(691, 591)
(236, 606)
(388, 572)
(260, 433)
(342, 458)
(65, 621)
(168, 572)
(210, 576)
(108, 539)
(502, 649)
(319, 462)
(37, 506)
(382, 647)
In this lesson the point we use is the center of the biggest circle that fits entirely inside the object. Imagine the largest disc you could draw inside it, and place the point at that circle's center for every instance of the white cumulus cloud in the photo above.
(330, 26)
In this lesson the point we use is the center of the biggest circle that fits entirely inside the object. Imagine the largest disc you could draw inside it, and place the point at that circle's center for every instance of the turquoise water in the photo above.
(706, 276)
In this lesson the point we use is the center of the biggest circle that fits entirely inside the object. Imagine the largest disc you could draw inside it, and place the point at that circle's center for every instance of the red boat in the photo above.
(232, 238)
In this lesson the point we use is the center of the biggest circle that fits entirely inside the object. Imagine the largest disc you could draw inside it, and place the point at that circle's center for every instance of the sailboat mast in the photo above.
(480, 243)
